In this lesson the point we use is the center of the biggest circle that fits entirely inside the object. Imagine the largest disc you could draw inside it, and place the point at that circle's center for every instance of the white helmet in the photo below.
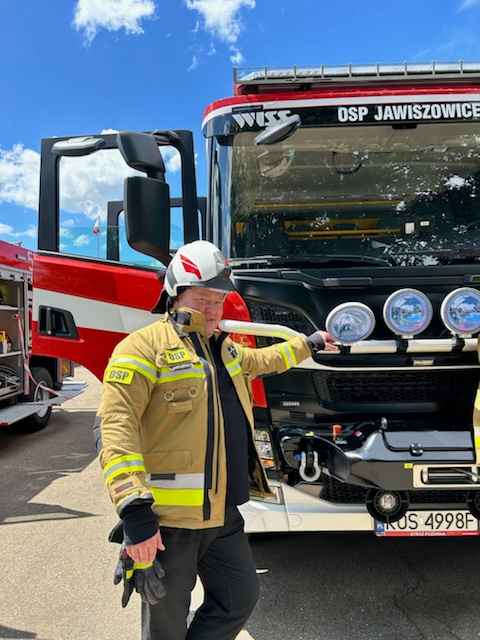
(196, 264)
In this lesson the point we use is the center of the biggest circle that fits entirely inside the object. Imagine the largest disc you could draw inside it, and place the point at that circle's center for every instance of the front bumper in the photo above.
(389, 466)
(397, 460)
(297, 511)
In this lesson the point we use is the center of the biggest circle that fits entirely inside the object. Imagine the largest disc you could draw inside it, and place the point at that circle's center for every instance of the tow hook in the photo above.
(309, 470)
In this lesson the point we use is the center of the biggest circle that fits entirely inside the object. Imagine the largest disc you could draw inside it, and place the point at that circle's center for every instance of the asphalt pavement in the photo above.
(57, 569)
(55, 516)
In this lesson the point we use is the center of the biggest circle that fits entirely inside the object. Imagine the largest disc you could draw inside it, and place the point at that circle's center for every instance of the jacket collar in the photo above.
(190, 321)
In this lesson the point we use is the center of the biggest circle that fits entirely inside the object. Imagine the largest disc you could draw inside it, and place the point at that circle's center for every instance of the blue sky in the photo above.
(76, 67)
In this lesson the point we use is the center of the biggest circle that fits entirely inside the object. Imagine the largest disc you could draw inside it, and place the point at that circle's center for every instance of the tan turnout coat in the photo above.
(161, 420)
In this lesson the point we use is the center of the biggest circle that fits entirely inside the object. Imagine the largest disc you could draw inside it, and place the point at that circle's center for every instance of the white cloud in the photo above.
(82, 241)
(19, 172)
(236, 58)
(7, 232)
(113, 15)
(221, 17)
(171, 157)
(31, 232)
(194, 64)
(89, 182)
(5, 229)
(468, 4)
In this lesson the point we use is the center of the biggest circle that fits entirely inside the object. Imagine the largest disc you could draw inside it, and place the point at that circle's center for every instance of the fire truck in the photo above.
(30, 384)
(346, 198)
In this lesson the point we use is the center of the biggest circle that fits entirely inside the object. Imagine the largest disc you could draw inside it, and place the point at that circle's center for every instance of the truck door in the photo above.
(91, 288)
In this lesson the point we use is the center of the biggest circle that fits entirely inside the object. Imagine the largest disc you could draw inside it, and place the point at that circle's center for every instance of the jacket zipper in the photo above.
(210, 426)
(216, 397)
(219, 403)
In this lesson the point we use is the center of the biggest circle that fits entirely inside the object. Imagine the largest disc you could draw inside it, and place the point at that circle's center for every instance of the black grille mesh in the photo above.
(338, 492)
(395, 386)
(278, 314)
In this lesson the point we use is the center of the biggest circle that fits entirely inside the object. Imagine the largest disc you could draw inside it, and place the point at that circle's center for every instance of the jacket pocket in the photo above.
(168, 461)
(181, 396)
(179, 407)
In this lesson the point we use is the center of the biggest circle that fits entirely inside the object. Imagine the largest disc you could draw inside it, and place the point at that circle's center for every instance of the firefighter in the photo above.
(175, 434)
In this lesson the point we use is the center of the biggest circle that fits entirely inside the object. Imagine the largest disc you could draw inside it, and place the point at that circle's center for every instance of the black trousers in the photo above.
(222, 559)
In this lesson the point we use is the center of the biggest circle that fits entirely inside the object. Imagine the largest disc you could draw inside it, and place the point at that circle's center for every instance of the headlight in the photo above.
(407, 312)
(460, 312)
(264, 448)
(350, 322)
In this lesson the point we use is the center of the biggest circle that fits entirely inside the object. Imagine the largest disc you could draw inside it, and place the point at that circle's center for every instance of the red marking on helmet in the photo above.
(190, 267)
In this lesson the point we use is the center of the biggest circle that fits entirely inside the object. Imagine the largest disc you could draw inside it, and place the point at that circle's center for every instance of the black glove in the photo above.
(316, 342)
(116, 534)
(124, 571)
(146, 579)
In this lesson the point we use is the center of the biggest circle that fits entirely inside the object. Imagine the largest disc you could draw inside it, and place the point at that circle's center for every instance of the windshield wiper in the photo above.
(324, 258)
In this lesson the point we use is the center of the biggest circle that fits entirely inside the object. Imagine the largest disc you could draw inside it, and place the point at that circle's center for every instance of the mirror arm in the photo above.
(182, 141)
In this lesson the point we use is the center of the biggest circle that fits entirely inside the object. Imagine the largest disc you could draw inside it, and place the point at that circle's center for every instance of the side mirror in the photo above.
(147, 216)
(140, 151)
(280, 131)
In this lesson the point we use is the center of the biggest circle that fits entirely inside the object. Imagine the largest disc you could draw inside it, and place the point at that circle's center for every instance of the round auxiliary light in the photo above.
(460, 312)
(350, 322)
(407, 312)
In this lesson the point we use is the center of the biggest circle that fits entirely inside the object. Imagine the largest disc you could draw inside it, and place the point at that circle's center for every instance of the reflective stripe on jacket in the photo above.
(162, 423)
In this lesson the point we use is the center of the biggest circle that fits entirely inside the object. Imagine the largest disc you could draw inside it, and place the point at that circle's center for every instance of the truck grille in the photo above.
(340, 493)
(278, 314)
(396, 386)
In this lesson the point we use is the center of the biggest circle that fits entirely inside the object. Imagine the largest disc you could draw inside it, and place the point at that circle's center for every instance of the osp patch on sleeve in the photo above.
(177, 356)
(117, 374)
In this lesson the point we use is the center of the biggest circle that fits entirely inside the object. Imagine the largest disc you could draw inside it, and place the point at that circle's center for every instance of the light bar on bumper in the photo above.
(440, 345)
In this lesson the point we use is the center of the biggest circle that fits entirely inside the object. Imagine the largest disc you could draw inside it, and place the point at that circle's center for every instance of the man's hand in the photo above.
(146, 551)
(322, 341)
(146, 579)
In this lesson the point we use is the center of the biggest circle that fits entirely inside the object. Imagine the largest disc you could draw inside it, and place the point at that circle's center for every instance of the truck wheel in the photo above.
(39, 420)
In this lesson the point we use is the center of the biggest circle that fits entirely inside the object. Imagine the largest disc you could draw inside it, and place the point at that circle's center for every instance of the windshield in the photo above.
(406, 194)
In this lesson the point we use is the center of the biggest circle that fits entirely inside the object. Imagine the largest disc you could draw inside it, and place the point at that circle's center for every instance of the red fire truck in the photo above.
(344, 197)
(30, 384)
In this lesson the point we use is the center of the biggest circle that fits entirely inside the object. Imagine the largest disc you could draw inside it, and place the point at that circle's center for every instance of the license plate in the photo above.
(430, 523)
